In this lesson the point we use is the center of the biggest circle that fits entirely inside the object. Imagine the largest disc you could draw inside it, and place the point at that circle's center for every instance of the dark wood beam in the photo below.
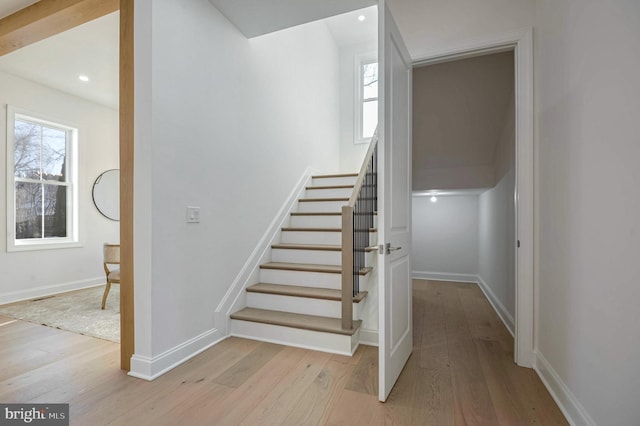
(47, 18)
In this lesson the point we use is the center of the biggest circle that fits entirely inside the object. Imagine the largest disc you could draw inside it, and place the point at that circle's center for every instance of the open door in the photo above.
(394, 217)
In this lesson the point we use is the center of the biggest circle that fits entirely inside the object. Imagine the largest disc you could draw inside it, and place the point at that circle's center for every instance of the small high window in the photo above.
(41, 183)
(367, 105)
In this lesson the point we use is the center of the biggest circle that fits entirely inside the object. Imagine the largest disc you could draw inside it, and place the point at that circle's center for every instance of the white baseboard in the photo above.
(502, 312)
(368, 337)
(566, 400)
(146, 368)
(49, 290)
(444, 276)
(234, 298)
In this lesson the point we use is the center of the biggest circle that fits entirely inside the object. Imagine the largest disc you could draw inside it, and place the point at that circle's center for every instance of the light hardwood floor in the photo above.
(460, 373)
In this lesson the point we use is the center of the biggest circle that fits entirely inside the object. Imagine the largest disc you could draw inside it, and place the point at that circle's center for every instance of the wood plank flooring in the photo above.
(461, 372)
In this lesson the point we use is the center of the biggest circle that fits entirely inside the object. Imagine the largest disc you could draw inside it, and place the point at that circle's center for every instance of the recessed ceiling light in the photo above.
(83, 78)
(433, 199)
(361, 18)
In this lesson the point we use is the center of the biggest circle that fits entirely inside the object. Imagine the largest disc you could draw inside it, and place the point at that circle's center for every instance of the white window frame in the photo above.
(361, 60)
(72, 239)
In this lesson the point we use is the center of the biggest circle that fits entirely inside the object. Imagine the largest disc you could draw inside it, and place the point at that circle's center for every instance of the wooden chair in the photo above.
(111, 256)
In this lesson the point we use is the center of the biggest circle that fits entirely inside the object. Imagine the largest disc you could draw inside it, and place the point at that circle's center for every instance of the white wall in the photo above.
(430, 26)
(496, 250)
(445, 237)
(496, 253)
(351, 154)
(588, 101)
(227, 124)
(36, 273)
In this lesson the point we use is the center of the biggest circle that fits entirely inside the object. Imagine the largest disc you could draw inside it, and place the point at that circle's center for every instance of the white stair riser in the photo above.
(370, 258)
(349, 180)
(364, 283)
(299, 305)
(308, 279)
(321, 206)
(301, 278)
(310, 237)
(328, 193)
(318, 257)
(315, 221)
(319, 221)
(326, 342)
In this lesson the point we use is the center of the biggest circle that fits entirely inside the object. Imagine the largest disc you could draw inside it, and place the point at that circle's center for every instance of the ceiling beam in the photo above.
(47, 18)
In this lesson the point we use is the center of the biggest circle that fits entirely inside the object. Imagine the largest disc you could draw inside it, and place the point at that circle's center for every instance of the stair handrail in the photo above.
(363, 169)
(357, 221)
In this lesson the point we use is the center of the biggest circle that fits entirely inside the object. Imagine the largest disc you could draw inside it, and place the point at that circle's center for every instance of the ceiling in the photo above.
(90, 49)
(258, 17)
(346, 29)
(459, 110)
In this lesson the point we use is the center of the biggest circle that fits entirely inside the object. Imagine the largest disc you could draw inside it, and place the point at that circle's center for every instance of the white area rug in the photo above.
(78, 312)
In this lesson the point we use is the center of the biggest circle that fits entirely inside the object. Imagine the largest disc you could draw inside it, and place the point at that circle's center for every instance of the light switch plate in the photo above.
(193, 214)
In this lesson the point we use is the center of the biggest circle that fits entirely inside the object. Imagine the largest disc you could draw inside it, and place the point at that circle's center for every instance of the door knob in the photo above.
(390, 249)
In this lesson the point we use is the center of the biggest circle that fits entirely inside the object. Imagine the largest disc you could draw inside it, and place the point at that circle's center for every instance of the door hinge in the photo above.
(518, 243)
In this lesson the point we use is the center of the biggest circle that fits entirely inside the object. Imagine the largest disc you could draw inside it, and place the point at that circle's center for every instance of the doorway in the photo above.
(521, 46)
(464, 175)
(46, 18)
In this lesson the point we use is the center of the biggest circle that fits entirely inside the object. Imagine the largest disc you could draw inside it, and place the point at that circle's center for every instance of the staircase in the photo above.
(298, 299)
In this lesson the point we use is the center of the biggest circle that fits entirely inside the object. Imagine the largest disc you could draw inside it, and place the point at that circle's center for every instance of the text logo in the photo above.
(34, 414)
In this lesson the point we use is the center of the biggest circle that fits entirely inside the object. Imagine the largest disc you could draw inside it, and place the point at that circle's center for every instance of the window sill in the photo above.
(34, 246)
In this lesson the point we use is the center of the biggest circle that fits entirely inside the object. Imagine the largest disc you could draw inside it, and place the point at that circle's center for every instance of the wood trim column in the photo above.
(126, 184)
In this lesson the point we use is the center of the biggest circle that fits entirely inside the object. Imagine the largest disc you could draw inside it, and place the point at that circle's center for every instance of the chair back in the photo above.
(111, 253)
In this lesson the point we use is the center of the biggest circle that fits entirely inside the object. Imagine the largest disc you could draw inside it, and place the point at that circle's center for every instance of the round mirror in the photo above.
(106, 194)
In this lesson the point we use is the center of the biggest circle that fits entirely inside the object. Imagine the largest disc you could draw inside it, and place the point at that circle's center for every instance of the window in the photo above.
(41, 180)
(367, 100)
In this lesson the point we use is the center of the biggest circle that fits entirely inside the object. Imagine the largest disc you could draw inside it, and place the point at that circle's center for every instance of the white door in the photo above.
(394, 217)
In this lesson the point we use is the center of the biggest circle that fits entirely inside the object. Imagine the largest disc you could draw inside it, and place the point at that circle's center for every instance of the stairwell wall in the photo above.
(228, 124)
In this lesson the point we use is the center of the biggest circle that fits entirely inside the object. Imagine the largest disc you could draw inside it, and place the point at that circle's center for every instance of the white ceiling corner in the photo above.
(346, 29)
(258, 17)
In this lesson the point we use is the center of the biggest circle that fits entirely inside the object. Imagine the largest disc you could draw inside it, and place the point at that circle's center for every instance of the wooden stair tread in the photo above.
(316, 213)
(339, 175)
(321, 247)
(330, 199)
(298, 229)
(330, 187)
(321, 213)
(289, 319)
(300, 291)
(308, 267)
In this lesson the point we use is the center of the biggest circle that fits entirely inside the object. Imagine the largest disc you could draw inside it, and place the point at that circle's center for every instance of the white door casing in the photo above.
(394, 192)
